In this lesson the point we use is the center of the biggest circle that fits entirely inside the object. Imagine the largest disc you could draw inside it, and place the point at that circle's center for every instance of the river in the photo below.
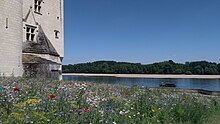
(185, 83)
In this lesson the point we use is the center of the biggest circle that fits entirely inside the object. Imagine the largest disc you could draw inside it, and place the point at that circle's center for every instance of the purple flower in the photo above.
(80, 111)
(62, 113)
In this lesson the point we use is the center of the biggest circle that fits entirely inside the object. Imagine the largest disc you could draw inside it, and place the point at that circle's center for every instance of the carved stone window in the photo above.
(56, 34)
(37, 6)
(30, 33)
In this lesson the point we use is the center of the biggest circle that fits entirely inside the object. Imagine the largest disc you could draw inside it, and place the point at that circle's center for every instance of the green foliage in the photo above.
(166, 67)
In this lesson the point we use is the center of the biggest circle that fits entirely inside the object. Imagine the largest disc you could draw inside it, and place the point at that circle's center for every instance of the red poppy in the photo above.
(86, 110)
(51, 96)
(15, 89)
(91, 107)
(126, 95)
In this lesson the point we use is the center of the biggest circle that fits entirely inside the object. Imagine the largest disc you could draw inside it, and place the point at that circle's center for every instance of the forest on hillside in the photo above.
(166, 67)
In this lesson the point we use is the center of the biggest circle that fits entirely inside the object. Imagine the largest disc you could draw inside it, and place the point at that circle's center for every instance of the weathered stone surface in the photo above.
(42, 70)
(11, 38)
(31, 58)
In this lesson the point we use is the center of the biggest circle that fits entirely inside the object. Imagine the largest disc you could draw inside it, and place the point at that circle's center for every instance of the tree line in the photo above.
(166, 67)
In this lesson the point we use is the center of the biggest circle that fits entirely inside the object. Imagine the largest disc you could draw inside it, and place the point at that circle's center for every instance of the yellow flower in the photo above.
(152, 110)
(159, 109)
(32, 101)
(20, 105)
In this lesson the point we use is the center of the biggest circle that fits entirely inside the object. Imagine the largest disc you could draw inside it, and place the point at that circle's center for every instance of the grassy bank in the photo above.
(54, 102)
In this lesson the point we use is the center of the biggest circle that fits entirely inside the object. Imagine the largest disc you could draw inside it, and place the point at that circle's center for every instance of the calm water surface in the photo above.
(206, 84)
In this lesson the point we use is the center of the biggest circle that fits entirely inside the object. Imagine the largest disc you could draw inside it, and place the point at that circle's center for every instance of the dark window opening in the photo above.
(56, 34)
(32, 37)
(28, 29)
(6, 25)
(30, 33)
(27, 36)
(37, 6)
(32, 30)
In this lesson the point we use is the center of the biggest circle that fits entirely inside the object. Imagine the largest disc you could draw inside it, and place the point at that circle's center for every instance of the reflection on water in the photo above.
(206, 84)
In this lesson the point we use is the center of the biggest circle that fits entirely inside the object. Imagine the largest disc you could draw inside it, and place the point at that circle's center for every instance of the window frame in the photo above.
(56, 33)
(32, 33)
(38, 6)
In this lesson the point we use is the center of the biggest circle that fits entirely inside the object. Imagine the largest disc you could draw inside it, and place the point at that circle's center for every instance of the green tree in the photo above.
(166, 67)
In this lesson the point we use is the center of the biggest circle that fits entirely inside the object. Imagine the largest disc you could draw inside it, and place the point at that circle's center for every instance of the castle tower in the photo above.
(11, 36)
(31, 38)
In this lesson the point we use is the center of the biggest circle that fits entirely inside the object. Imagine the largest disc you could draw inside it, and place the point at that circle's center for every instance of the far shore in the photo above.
(146, 75)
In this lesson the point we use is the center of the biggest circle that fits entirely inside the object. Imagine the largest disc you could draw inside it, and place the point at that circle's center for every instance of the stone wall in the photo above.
(50, 18)
(18, 16)
(11, 37)
(45, 70)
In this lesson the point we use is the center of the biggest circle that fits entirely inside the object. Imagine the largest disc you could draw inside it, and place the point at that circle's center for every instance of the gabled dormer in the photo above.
(30, 27)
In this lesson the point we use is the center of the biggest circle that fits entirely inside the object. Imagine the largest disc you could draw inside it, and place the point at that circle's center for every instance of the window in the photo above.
(6, 25)
(37, 6)
(30, 33)
(56, 34)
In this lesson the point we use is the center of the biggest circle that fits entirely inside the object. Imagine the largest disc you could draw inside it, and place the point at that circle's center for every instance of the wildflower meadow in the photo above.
(45, 101)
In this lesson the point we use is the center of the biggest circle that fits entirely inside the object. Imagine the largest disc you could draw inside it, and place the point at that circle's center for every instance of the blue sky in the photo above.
(142, 31)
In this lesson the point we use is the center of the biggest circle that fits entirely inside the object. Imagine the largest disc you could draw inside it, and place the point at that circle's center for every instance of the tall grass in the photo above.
(47, 101)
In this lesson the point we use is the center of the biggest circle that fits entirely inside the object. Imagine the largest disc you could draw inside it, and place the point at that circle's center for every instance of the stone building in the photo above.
(31, 37)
